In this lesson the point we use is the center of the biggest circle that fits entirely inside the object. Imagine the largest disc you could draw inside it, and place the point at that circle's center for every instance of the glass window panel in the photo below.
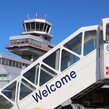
(48, 28)
(10, 91)
(75, 44)
(14, 63)
(89, 41)
(4, 104)
(32, 26)
(0, 61)
(3, 61)
(3, 77)
(107, 32)
(32, 74)
(45, 26)
(10, 62)
(25, 89)
(53, 60)
(45, 75)
(41, 26)
(88, 46)
(28, 26)
(37, 26)
(67, 60)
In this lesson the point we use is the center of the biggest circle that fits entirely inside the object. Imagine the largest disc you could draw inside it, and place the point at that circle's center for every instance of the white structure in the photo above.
(31, 44)
(10, 68)
(76, 70)
(34, 41)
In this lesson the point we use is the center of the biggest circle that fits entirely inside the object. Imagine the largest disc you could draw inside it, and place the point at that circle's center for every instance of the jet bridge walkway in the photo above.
(76, 70)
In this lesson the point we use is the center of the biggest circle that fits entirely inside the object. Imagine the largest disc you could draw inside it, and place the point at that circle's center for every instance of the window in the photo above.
(10, 62)
(25, 89)
(75, 44)
(41, 26)
(37, 26)
(45, 75)
(53, 60)
(14, 64)
(45, 26)
(5, 62)
(107, 32)
(10, 91)
(89, 41)
(88, 46)
(48, 28)
(32, 74)
(3, 77)
(32, 26)
(68, 59)
(20, 65)
(0, 60)
(28, 26)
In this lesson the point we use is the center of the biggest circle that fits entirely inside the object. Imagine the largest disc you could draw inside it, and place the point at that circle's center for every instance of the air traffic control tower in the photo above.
(34, 41)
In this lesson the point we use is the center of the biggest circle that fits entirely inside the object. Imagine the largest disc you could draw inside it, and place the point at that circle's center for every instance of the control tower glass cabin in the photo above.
(34, 41)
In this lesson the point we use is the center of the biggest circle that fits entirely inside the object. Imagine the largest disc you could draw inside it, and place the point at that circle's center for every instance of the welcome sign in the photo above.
(49, 89)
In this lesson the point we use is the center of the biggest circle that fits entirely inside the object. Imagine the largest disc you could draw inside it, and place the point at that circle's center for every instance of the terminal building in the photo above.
(10, 67)
(33, 42)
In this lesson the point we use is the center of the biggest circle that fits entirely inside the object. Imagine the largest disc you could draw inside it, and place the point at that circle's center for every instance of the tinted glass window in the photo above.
(89, 41)
(25, 89)
(53, 60)
(10, 91)
(88, 46)
(107, 32)
(32, 74)
(46, 74)
(28, 26)
(75, 44)
(68, 59)
(32, 26)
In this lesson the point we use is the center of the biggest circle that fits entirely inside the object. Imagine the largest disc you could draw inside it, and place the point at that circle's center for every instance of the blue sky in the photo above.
(66, 16)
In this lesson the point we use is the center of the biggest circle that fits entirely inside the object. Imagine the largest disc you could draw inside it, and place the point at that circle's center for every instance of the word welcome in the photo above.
(49, 89)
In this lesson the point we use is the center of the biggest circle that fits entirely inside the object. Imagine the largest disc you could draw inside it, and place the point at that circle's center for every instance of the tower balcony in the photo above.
(28, 48)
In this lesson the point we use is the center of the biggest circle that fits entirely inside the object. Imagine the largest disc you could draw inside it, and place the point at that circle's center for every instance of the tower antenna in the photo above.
(45, 15)
(36, 14)
(28, 17)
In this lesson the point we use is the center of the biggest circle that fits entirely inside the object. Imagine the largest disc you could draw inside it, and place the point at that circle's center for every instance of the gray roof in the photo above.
(9, 70)
(14, 58)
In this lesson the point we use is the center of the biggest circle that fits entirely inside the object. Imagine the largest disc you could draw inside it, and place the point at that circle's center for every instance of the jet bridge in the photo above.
(77, 69)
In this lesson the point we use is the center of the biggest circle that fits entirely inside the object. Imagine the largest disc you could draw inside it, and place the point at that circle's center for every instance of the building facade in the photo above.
(10, 67)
